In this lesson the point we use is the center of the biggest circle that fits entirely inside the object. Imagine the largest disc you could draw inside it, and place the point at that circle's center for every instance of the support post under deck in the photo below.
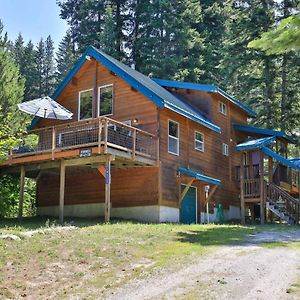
(107, 190)
(62, 191)
(242, 189)
(21, 195)
(262, 196)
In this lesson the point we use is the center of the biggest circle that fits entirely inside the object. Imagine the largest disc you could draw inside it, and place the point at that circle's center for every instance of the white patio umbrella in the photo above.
(45, 107)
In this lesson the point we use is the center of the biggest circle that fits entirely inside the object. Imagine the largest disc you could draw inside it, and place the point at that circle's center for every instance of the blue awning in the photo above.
(263, 131)
(295, 161)
(200, 176)
(255, 143)
(281, 159)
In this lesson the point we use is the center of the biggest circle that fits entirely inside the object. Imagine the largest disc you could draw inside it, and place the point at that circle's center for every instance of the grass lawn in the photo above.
(95, 258)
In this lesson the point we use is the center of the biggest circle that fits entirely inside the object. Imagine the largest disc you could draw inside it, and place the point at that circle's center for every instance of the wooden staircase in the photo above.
(282, 203)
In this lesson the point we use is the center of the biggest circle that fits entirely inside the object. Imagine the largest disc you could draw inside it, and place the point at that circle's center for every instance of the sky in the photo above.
(33, 18)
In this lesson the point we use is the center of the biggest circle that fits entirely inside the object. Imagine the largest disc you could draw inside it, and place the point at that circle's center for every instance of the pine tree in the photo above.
(30, 73)
(250, 75)
(165, 42)
(49, 67)
(19, 53)
(66, 56)
(40, 65)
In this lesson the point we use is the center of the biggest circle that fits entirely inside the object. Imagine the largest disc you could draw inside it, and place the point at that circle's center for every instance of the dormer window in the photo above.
(105, 99)
(222, 108)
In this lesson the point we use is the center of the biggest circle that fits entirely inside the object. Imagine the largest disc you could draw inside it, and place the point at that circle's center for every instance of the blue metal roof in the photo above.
(280, 158)
(205, 88)
(200, 176)
(262, 144)
(295, 161)
(144, 84)
(263, 131)
(255, 143)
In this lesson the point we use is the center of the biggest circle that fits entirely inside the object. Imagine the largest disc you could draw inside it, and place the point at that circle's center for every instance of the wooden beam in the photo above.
(101, 170)
(181, 195)
(21, 195)
(242, 192)
(107, 190)
(62, 191)
(88, 160)
(262, 196)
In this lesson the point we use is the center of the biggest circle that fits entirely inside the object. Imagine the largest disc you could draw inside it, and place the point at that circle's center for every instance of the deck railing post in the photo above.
(105, 135)
(133, 144)
(53, 142)
(99, 135)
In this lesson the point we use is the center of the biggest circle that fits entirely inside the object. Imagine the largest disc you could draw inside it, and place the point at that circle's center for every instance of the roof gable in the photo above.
(144, 84)
(205, 88)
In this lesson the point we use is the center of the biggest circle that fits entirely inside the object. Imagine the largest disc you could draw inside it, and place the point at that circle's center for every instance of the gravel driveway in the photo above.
(247, 271)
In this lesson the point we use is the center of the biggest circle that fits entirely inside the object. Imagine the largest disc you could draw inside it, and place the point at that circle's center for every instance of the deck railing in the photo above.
(250, 171)
(101, 132)
(252, 188)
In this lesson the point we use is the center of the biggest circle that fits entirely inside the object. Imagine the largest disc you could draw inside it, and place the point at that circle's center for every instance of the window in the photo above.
(225, 149)
(173, 140)
(223, 108)
(85, 105)
(105, 100)
(199, 141)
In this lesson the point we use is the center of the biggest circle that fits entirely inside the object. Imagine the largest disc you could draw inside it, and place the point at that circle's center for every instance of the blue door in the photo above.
(188, 207)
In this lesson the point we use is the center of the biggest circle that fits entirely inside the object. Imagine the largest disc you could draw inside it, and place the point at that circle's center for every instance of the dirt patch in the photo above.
(248, 271)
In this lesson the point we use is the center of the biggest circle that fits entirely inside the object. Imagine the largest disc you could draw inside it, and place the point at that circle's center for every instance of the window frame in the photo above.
(176, 138)
(79, 102)
(196, 140)
(223, 108)
(224, 148)
(99, 100)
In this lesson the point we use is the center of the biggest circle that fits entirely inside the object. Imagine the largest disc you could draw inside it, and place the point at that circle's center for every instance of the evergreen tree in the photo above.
(66, 56)
(19, 53)
(167, 42)
(49, 67)
(40, 65)
(30, 73)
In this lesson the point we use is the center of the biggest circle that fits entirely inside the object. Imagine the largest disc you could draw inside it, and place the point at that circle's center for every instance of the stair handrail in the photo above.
(282, 193)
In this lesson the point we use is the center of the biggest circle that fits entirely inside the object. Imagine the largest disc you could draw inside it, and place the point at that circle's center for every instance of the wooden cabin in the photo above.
(137, 148)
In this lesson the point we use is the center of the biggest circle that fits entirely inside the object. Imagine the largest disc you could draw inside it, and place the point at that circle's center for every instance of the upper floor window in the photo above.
(225, 149)
(105, 100)
(199, 141)
(173, 137)
(222, 108)
(85, 104)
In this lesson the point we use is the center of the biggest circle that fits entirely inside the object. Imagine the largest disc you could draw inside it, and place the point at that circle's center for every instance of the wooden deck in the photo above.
(86, 141)
(100, 143)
